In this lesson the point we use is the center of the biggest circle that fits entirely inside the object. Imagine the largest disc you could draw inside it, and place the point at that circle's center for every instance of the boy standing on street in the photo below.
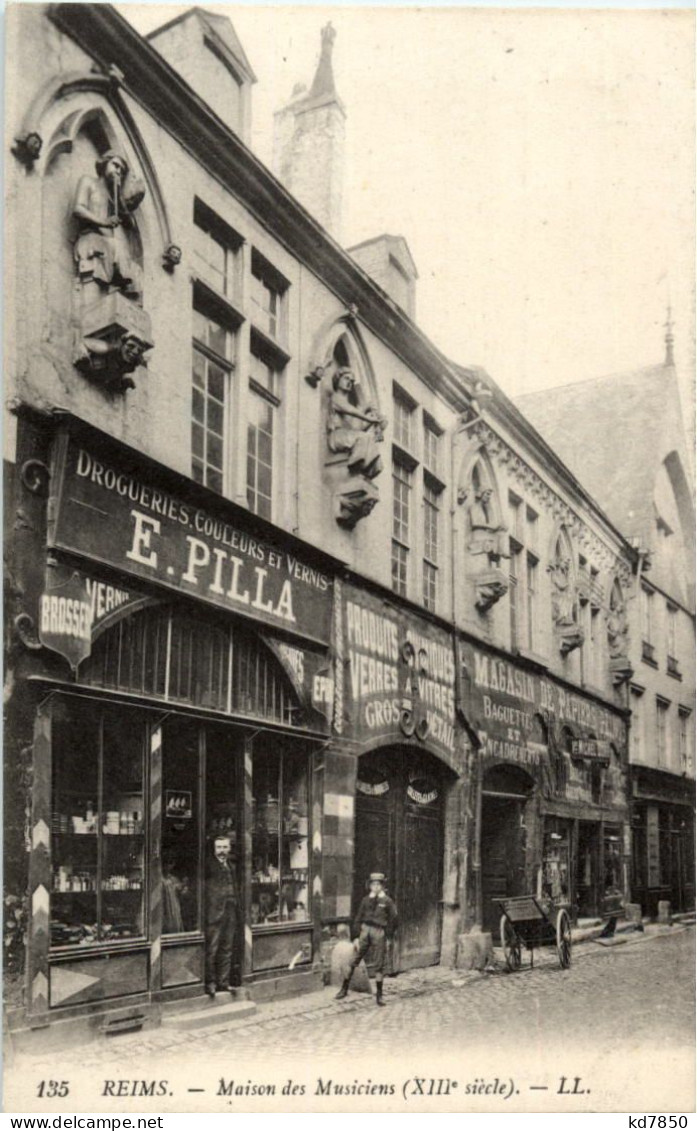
(375, 922)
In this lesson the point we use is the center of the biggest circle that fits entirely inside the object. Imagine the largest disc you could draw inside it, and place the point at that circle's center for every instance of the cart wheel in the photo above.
(510, 944)
(563, 939)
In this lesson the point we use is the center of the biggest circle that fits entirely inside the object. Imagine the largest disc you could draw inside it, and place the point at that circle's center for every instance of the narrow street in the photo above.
(625, 1008)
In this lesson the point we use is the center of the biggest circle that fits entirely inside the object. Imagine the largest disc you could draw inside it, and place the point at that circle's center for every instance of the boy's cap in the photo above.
(377, 876)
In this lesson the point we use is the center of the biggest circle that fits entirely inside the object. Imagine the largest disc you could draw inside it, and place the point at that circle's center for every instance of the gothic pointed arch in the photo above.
(484, 537)
(104, 226)
(562, 569)
(353, 423)
(618, 635)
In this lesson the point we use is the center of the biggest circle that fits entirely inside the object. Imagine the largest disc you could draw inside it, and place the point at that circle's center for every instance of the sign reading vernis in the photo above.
(121, 516)
(398, 673)
(505, 703)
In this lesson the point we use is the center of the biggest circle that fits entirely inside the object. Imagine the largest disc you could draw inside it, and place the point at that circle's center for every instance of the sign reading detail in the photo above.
(119, 516)
(400, 673)
(508, 705)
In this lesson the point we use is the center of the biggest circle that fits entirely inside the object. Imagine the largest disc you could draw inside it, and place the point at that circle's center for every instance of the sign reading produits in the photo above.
(120, 516)
(400, 673)
(506, 704)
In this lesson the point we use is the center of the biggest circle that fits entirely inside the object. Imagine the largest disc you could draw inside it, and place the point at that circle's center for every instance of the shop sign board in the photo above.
(76, 609)
(398, 674)
(310, 674)
(119, 514)
(505, 704)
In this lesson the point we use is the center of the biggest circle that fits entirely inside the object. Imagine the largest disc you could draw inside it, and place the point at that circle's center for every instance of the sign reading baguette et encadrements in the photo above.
(503, 701)
(122, 517)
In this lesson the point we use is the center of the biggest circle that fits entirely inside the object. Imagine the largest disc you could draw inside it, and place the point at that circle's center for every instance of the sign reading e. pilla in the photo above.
(119, 515)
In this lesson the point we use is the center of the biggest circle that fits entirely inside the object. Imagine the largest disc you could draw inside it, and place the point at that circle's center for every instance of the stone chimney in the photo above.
(388, 261)
(203, 47)
(309, 135)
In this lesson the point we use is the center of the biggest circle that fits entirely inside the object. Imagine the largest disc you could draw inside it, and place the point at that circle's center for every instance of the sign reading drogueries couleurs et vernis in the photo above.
(120, 515)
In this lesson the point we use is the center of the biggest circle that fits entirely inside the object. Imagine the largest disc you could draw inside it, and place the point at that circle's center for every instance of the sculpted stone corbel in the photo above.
(112, 362)
(354, 430)
(487, 535)
(112, 330)
(491, 587)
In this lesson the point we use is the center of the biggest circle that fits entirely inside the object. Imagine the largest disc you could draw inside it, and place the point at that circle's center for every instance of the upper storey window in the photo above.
(216, 248)
(404, 420)
(210, 399)
(268, 289)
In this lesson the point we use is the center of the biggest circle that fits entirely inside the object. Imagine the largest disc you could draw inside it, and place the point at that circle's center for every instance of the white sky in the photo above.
(540, 164)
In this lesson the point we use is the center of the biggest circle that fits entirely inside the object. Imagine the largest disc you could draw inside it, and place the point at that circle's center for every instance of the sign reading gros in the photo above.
(400, 673)
(507, 704)
(121, 517)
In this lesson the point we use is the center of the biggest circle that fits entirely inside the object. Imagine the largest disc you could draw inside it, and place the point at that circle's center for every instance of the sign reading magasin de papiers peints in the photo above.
(505, 704)
(114, 507)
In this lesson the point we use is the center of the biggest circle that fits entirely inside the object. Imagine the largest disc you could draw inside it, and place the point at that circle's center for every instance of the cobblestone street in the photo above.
(616, 1001)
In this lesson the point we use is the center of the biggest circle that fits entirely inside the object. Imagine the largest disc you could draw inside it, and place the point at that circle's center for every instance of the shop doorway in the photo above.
(587, 869)
(505, 794)
(399, 831)
(223, 811)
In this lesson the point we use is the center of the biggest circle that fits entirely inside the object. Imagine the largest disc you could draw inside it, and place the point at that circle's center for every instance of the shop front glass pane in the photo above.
(612, 859)
(181, 830)
(295, 861)
(266, 828)
(74, 826)
(280, 838)
(556, 862)
(123, 829)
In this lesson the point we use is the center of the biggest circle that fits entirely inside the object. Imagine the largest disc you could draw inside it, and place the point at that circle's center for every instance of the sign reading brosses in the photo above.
(122, 516)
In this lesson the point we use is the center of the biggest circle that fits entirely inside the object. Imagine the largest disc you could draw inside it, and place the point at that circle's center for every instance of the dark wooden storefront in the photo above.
(399, 831)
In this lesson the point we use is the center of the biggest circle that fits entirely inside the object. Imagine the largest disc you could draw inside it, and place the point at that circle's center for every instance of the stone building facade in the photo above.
(647, 492)
(276, 567)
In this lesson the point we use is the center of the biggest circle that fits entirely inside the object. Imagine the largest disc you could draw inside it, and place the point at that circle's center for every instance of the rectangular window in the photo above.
(515, 512)
(404, 420)
(264, 382)
(637, 725)
(431, 538)
(267, 291)
(532, 587)
(215, 248)
(684, 741)
(530, 529)
(401, 488)
(211, 368)
(661, 732)
(513, 600)
(646, 615)
(432, 435)
(97, 826)
(672, 634)
(280, 837)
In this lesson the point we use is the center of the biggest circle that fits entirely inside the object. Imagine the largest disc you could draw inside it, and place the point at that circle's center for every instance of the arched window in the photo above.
(167, 654)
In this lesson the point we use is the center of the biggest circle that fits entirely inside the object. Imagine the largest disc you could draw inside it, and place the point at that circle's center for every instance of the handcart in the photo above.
(529, 921)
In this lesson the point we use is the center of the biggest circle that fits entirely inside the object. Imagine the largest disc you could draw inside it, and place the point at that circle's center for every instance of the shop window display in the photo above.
(180, 828)
(97, 826)
(557, 862)
(280, 838)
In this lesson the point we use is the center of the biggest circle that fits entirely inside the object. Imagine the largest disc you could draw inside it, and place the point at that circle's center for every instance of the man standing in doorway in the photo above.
(375, 922)
(221, 916)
